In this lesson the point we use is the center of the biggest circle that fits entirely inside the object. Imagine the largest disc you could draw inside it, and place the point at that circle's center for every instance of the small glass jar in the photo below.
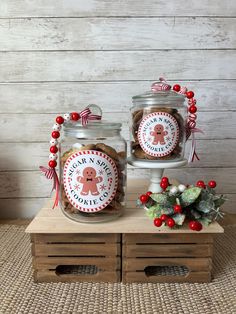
(92, 171)
(158, 126)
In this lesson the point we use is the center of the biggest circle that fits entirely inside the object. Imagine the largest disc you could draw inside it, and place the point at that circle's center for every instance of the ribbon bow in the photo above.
(87, 115)
(160, 86)
(191, 132)
(50, 173)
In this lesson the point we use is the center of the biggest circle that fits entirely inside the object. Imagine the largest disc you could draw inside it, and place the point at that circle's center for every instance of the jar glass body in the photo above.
(92, 173)
(158, 126)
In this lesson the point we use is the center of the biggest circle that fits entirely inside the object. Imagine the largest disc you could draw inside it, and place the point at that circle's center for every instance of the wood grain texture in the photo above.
(57, 97)
(76, 8)
(116, 65)
(37, 128)
(167, 250)
(134, 238)
(33, 183)
(193, 277)
(51, 276)
(117, 33)
(212, 154)
(193, 264)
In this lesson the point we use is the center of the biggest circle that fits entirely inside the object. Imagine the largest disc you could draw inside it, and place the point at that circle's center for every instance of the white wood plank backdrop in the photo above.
(58, 55)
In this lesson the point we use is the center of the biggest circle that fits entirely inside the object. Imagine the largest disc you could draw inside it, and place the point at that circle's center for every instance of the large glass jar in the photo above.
(158, 125)
(92, 171)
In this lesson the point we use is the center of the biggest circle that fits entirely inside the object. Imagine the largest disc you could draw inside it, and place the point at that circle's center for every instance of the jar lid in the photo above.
(92, 129)
(160, 93)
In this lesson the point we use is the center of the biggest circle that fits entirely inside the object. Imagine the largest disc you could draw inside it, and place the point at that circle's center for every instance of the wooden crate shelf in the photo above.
(191, 251)
(55, 254)
(131, 248)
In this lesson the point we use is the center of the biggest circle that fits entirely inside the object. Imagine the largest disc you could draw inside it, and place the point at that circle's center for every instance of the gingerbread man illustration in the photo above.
(89, 181)
(159, 134)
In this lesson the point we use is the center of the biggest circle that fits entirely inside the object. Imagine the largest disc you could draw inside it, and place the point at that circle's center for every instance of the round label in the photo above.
(90, 180)
(158, 134)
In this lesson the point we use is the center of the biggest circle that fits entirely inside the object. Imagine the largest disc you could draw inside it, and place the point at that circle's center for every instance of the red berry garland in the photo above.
(52, 163)
(55, 134)
(53, 149)
(176, 88)
(192, 109)
(59, 120)
(75, 116)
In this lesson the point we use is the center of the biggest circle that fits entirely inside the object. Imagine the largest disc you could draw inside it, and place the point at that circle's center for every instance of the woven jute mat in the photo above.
(19, 294)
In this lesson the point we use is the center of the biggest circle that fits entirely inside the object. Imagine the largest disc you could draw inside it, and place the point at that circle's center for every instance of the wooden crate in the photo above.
(57, 240)
(167, 257)
(76, 257)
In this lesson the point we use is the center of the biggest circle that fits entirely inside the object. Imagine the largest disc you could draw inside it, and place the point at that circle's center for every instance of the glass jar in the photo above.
(158, 125)
(92, 171)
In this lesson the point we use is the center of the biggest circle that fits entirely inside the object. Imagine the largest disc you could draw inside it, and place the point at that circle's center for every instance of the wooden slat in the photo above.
(16, 184)
(76, 250)
(116, 65)
(128, 223)
(135, 238)
(61, 97)
(107, 263)
(37, 127)
(76, 238)
(194, 277)
(211, 152)
(168, 250)
(117, 33)
(75, 8)
(51, 276)
(193, 264)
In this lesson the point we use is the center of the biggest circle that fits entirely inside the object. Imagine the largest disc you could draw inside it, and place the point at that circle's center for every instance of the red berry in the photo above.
(190, 94)
(177, 208)
(198, 226)
(195, 225)
(75, 116)
(59, 120)
(164, 185)
(176, 87)
(52, 163)
(201, 184)
(149, 193)
(53, 149)
(55, 134)
(212, 184)
(157, 222)
(192, 109)
(164, 217)
(144, 198)
(192, 225)
(165, 179)
(170, 222)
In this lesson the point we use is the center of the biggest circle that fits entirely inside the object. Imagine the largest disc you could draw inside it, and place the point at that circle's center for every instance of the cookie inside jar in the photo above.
(158, 124)
(93, 174)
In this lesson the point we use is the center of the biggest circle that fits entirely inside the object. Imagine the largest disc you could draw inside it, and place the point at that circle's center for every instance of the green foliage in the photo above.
(198, 204)
(159, 198)
(190, 195)
(179, 219)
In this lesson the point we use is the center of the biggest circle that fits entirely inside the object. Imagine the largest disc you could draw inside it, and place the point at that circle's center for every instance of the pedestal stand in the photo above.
(156, 170)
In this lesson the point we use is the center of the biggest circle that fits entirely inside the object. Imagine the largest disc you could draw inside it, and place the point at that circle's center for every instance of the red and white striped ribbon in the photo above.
(50, 173)
(160, 86)
(87, 115)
